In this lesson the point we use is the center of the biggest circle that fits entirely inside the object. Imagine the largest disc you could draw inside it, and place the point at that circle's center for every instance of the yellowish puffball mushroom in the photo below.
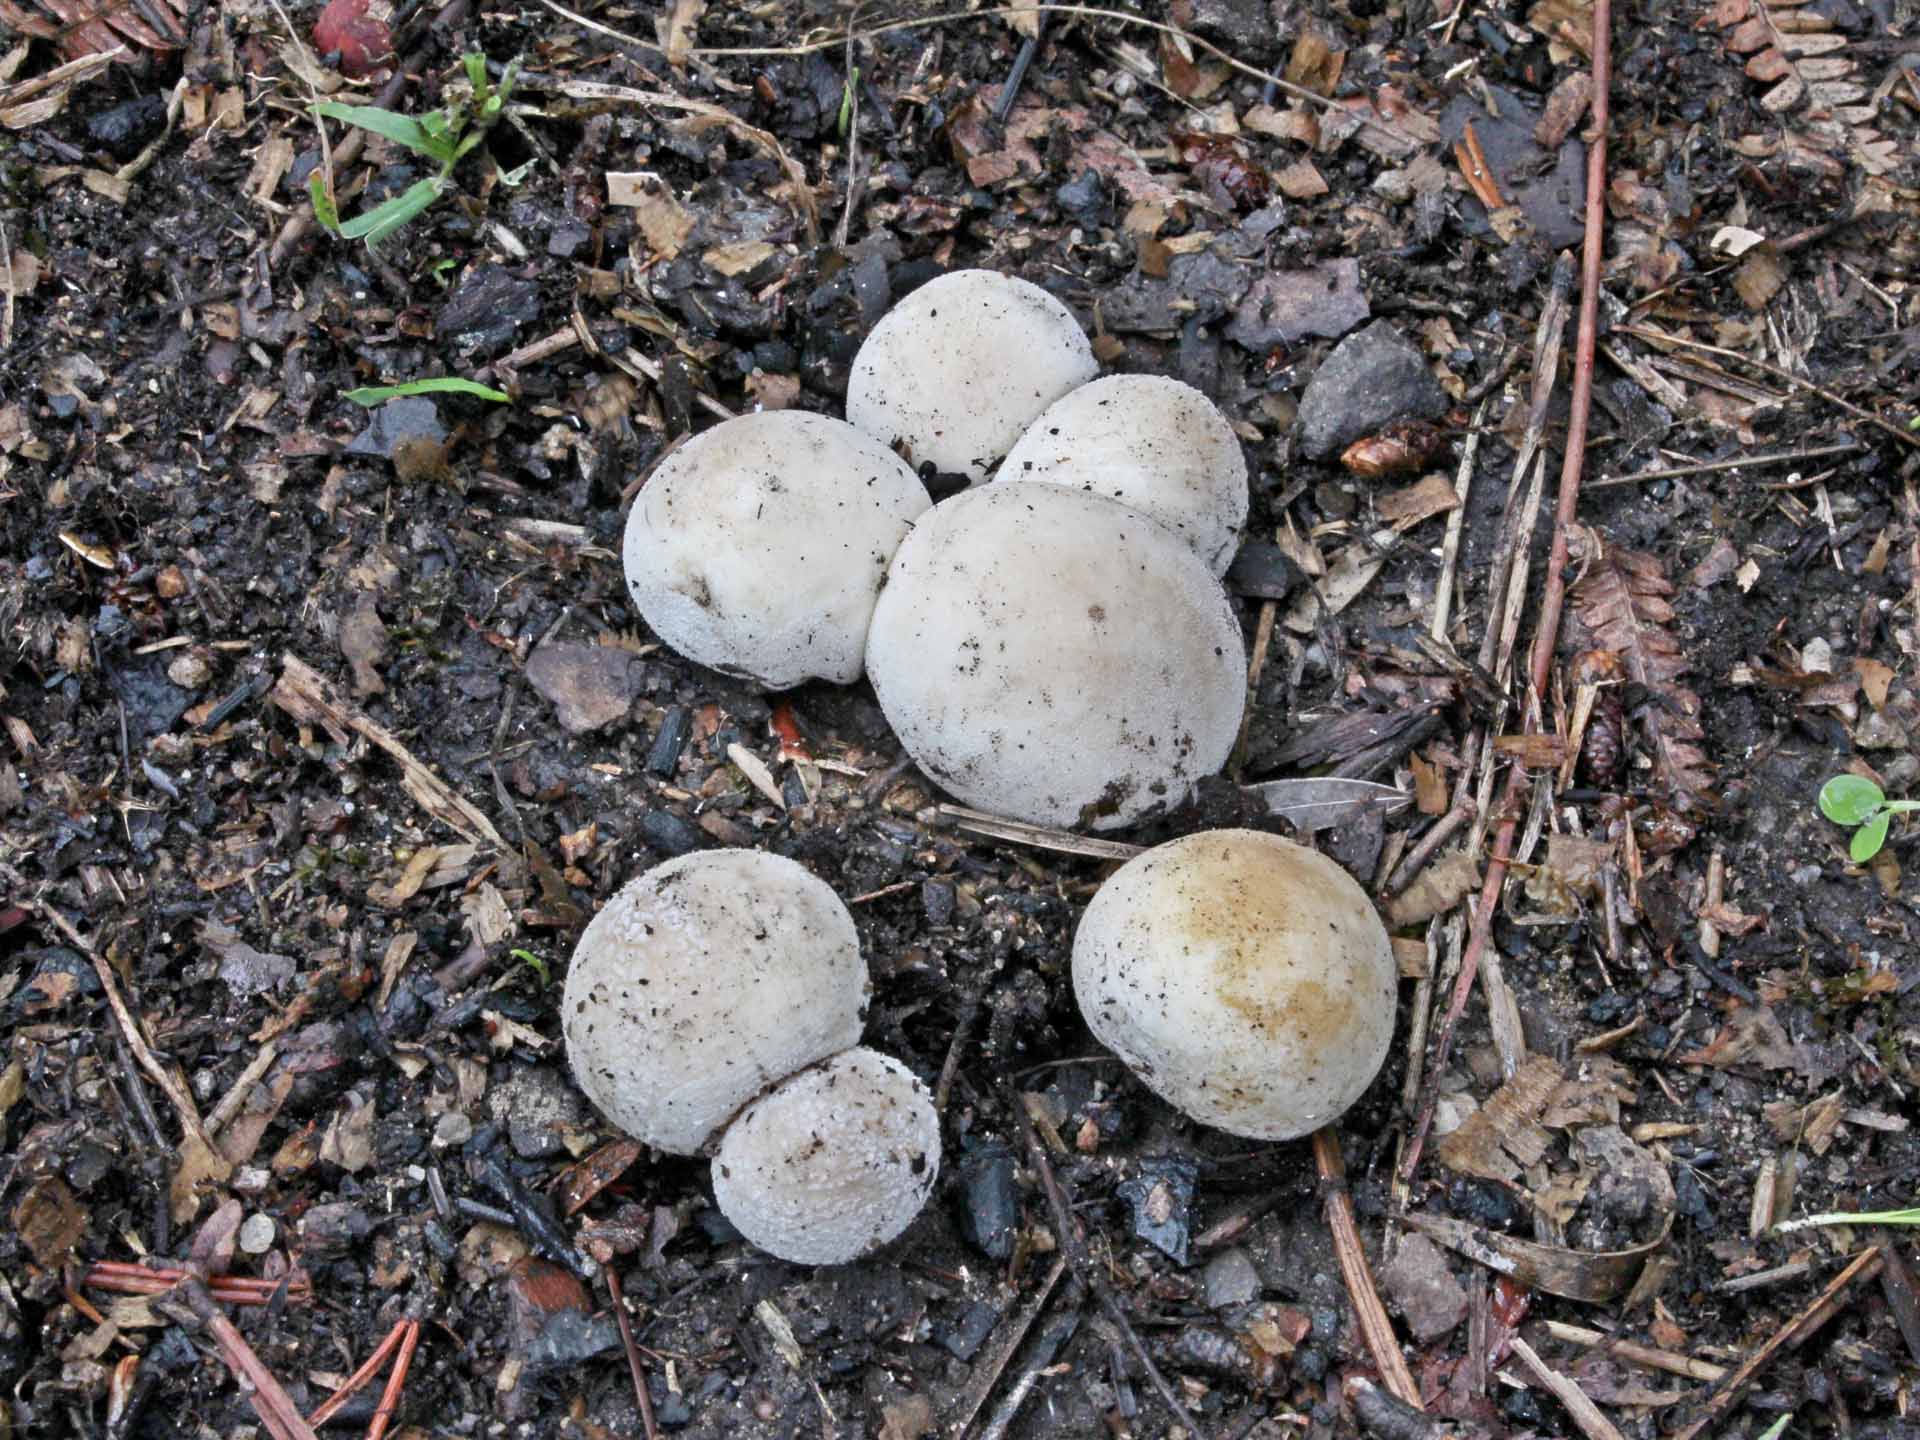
(704, 981)
(834, 1163)
(959, 368)
(1245, 979)
(1151, 442)
(1056, 657)
(758, 546)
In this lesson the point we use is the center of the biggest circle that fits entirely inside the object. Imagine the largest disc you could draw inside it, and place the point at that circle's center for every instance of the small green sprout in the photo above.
(534, 963)
(1777, 1428)
(371, 395)
(847, 101)
(1857, 801)
(1842, 1217)
(445, 137)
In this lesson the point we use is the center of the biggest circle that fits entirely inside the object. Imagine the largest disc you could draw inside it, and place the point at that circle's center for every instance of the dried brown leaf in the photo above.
(1621, 598)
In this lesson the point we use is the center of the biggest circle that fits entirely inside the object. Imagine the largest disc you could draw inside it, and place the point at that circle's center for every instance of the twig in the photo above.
(1462, 810)
(390, 1397)
(1039, 1360)
(1866, 1265)
(1389, 1417)
(1018, 74)
(369, 1368)
(1585, 1413)
(1547, 636)
(236, 1097)
(1742, 462)
(1006, 1342)
(1896, 1282)
(1456, 525)
(1074, 1243)
(6, 316)
(641, 1394)
(269, 1400)
(1667, 1360)
(122, 1278)
(175, 1092)
(1786, 377)
(1374, 1325)
(1041, 837)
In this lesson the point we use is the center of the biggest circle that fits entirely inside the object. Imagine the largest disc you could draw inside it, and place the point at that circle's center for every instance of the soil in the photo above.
(329, 727)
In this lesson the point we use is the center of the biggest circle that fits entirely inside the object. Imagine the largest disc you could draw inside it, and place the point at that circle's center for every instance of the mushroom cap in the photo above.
(834, 1163)
(704, 981)
(1056, 657)
(758, 546)
(963, 365)
(1246, 979)
(1151, 442)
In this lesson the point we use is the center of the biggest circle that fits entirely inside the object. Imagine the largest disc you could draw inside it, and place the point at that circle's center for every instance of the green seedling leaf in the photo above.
(534, 963)
(1868, 839)
(385, 218)
(1777, 1428)
(1842, 1217)
(371, 395)
(846, 102)
(323, 207)
(476, 64)
(401, 129)
(512, 178)
(1850, 799)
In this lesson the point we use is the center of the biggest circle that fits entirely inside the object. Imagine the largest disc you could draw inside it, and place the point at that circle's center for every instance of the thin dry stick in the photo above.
(1585, 1413)
(1456, 524)
(1092, 12)
(1742, 462)
(1865, 1266)
(6, 316)
(1786, 377)
(269, 1400)
(1006, 1342)
(641, 1395)
(149, 1062)
(1374, 1325)
(123, 1278)
(369, 1368)
(1074, 1243)
(390, 1397)
(1668, 1360)
(1579, 415)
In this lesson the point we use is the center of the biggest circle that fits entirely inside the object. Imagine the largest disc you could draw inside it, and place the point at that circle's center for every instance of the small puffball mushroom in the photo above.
(1056, 657)
(1247, 980)
(758, 546)
(704, 981)
(834, 1163)
(963, 365)
(1151, 442)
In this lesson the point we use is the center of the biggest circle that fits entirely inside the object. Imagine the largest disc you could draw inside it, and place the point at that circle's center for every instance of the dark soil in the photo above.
(193, 510)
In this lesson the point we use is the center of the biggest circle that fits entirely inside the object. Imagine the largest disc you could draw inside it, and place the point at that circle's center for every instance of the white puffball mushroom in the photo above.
(1056, 657)
(833, 1164)
(704, 981)
(758, 546)
(959, 368)
(1246, 979)
(1151, 442)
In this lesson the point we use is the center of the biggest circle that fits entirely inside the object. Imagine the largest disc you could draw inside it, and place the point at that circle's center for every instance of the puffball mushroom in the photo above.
(1056, 657)
(758, 546)
(958, 369)
(1246, 979)
(704, 981)
(1151, 442)
(834, 1163)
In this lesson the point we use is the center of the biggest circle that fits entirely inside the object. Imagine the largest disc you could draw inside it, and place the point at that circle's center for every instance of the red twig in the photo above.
(1547, 637)
(125, 1279)
(640, 1392)
(390, 1397)
(270, 1402)
(369, 1368)
(1374, 1325)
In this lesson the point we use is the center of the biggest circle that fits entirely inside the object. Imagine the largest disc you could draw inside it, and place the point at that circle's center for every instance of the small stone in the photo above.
(452, 1128)
(669, 833)
(589, 686)
(190, 671)
(1231, 1279)
(1370, 380)
(256, 1234)
(1423, 1289)
(539, 1108)
(1290, 305)
(170, 583)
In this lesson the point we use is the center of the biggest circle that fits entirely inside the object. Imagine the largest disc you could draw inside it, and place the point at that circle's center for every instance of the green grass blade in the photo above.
(378, 223)
(323, 208)
(401, 129)
(1850, 799)
(438, 385)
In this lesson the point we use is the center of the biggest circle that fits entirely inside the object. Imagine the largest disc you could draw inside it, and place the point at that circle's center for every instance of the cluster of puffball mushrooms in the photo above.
(1055, 646)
